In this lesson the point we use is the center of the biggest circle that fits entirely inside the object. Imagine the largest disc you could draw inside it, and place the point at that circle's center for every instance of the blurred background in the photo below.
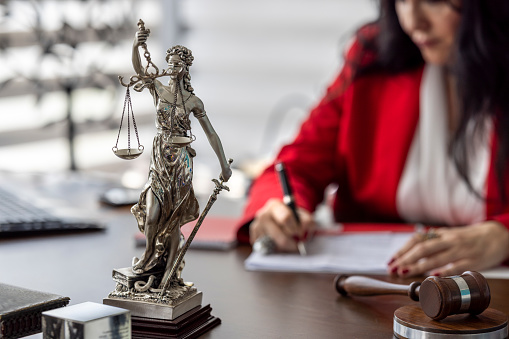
(259, 66)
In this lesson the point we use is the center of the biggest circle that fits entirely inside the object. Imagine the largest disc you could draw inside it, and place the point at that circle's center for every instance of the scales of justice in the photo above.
(162, 304)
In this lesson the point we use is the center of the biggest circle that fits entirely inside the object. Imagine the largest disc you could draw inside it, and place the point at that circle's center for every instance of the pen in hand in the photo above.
(289, 200)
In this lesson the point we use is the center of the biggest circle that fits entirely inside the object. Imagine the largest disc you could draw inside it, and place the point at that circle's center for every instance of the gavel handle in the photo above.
(363, 286)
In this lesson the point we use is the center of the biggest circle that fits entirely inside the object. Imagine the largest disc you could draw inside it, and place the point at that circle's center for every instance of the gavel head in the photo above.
(466, 293)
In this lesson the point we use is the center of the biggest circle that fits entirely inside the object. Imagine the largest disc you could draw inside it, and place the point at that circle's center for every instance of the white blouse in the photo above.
(430, 189)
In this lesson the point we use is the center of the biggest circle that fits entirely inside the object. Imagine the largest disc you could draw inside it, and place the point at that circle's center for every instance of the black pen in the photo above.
(289, 200)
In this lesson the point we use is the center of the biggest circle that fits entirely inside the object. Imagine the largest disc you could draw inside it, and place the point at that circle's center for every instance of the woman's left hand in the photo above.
(453, 251)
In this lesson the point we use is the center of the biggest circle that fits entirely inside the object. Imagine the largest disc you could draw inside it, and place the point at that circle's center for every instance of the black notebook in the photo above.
(21, 310)
(19, 216)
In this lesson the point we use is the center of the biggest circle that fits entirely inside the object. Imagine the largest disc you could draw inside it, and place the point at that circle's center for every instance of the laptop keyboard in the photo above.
(20, 216)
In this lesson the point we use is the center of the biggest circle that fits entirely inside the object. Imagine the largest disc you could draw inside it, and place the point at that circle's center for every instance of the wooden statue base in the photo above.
(411, 322)
(192, 324)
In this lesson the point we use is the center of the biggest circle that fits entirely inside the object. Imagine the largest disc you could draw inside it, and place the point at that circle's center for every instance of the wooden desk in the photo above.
(250, 304)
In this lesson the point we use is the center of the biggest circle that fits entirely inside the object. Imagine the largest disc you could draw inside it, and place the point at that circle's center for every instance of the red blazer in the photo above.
(358, 137)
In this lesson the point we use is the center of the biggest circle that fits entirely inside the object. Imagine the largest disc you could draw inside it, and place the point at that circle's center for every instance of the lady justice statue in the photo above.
(167, 201)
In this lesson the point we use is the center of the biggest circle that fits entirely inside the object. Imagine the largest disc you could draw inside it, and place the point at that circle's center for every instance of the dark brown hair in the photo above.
(481, 69)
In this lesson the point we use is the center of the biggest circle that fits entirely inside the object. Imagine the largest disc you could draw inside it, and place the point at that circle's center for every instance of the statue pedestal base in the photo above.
(154, 310)
(192, 324)
(177, 314)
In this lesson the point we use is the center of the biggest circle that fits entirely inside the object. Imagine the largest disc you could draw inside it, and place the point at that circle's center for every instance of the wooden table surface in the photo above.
(250, 304)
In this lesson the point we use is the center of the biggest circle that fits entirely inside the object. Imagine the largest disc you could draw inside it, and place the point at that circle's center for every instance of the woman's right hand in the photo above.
(276, 220)
(141, 37)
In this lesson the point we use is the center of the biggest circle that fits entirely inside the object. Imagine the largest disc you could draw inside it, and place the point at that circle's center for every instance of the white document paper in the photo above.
(350, 253)
(364, 253)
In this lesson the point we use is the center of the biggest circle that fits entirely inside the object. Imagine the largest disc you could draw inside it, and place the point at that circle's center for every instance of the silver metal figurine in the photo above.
(167, 201)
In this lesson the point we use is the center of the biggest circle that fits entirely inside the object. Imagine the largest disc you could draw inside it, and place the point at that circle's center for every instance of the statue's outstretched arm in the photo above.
(143, 76)
(215, 142)
(139, 39)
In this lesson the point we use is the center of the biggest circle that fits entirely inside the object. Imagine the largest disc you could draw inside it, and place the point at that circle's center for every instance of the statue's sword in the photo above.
(213, 197)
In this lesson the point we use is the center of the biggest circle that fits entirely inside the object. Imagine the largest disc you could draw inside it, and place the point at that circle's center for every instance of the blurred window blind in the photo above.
(60, 100)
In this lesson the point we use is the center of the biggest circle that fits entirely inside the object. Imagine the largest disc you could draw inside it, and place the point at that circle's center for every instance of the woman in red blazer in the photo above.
(414, 129)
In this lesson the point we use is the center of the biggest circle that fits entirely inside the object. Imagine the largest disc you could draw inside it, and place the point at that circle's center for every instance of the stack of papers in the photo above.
(360, 253)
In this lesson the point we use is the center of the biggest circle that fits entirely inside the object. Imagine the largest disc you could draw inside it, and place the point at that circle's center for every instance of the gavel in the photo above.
(439, 297)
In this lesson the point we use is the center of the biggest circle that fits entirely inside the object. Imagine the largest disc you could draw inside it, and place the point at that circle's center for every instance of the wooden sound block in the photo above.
(411, 322)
